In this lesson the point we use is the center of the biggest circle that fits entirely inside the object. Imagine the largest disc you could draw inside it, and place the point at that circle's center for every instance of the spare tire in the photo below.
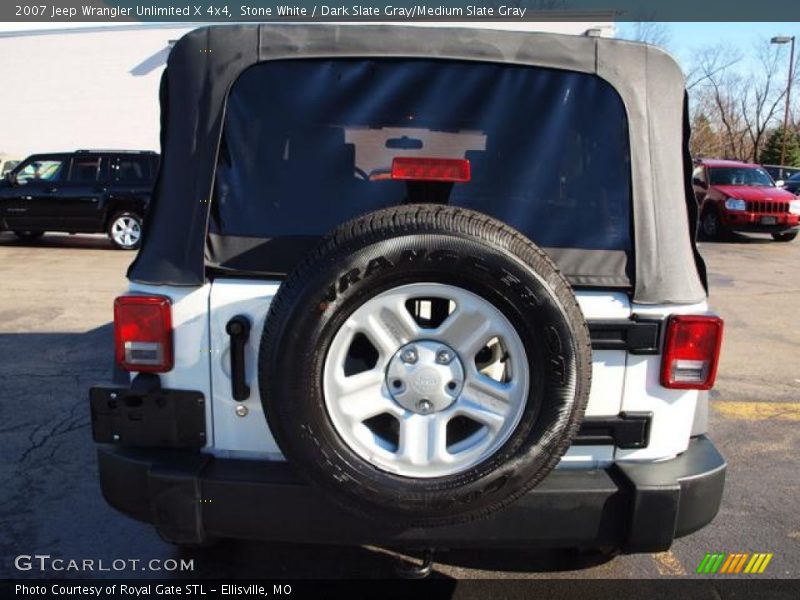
(426, 365)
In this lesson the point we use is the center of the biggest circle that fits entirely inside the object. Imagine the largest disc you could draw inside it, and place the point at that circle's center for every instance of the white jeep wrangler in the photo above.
(408, 286)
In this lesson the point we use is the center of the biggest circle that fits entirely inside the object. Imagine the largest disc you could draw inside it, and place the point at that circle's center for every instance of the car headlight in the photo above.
(735, 204)
(794, 207)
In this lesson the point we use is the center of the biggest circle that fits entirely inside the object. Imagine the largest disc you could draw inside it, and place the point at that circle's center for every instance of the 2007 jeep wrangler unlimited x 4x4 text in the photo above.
(442, 281)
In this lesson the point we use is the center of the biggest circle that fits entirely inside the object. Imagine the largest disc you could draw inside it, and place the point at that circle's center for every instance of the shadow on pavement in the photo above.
(52, 502)
(741, 238)
(250, 559)
(59, 241)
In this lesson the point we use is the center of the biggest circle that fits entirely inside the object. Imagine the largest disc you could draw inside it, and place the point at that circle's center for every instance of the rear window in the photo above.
(308, 144)
(131, 169)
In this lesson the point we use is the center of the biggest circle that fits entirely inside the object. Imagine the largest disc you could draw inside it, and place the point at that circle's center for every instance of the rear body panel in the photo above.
(235, 435)
(622, 382)
(192, 370)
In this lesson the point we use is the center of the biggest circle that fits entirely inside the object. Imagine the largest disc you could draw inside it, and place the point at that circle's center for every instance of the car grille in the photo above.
(768, 207)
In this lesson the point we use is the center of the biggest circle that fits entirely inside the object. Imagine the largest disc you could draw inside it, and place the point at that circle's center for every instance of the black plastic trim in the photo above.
(676, 497)
(147, 416)
(238, 329)
(637, 507)
(637, 336)
(627, 430)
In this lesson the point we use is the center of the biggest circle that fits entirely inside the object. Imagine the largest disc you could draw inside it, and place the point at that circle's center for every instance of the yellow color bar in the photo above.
(764, 564)
(756, 558)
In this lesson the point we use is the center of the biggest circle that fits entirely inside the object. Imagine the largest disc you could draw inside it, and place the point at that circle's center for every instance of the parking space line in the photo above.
(759, 411)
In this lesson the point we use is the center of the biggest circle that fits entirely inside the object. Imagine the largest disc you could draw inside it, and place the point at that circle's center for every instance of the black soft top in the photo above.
(663, 267)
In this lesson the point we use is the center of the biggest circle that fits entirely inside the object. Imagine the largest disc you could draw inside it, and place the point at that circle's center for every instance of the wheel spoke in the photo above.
(466, 329)
(362, 396)
(423, 439)
(482, 413)
(388, 326)
(366, 380)
(413, 388)
(367, 403)
(486, 400)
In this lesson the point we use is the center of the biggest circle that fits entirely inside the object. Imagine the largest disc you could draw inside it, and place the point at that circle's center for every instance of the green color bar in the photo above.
(711, 562)
(718, 564)
(700, 569)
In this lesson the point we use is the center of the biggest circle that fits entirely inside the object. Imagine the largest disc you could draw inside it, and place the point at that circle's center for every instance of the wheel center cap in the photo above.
(425, 376)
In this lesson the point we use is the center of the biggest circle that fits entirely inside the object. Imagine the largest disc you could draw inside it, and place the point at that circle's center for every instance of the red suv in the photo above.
(738, 196)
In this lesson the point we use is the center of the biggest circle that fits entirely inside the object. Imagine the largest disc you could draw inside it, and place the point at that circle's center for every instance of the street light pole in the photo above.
(784, 40)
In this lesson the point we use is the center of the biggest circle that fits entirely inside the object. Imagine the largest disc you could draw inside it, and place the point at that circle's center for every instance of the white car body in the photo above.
(621, 382)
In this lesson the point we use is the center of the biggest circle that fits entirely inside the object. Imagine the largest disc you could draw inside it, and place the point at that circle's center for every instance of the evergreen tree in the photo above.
(771, 154)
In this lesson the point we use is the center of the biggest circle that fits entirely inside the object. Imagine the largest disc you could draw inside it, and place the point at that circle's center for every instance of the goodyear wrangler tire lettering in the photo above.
(478, 277)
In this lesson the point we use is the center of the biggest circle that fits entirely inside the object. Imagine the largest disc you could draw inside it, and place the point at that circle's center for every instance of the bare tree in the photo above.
(740, 107)
(710, 62)
(763, 97)
(649, 32)
(715, 93)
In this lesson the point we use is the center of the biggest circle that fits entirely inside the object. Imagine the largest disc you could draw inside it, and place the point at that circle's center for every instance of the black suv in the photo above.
(88, 191)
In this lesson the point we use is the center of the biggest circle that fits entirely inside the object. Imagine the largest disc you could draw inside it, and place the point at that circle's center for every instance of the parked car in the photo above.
(456, 351)
(780, 172)
(7, 163)
(793, 184)
(739, 196)
(88, 191)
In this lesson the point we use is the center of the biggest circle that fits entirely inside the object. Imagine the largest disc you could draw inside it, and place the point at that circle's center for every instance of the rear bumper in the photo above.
(190, 496)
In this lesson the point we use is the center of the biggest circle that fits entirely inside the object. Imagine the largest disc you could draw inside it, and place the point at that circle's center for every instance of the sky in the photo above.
(686, 38)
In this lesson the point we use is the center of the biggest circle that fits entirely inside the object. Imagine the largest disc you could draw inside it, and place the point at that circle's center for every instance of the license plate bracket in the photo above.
(153, 419)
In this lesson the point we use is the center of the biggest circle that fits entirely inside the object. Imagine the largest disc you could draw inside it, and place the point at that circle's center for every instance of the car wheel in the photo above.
(710, 225)
(784, 237)
(125, 230)
(425, 366)
(29, 236)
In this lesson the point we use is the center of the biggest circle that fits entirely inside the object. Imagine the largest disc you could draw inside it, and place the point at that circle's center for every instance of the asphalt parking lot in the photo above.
(56, 341)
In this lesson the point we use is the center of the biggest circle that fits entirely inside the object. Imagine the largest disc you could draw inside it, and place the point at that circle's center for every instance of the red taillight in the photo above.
(691, 352)
(143, 333)
(430, 169)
